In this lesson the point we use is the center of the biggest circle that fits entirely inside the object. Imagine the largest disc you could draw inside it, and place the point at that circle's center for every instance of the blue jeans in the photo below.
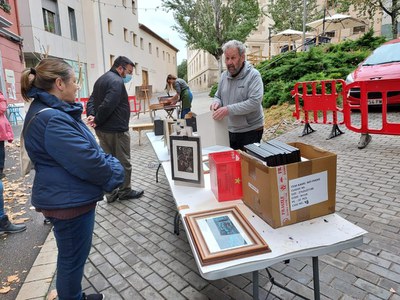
(74, 239)
(1, 199)
(2, 154)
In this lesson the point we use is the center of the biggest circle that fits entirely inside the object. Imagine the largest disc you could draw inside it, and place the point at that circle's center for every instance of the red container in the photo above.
(226, 176)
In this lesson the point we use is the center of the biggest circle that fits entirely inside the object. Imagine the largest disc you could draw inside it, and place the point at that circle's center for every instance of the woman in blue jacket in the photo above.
(71, 170)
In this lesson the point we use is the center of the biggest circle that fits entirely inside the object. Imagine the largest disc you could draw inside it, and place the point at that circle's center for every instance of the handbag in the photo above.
(26, 163)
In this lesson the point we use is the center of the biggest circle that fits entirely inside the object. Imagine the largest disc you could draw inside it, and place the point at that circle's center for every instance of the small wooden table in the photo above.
(140, 127)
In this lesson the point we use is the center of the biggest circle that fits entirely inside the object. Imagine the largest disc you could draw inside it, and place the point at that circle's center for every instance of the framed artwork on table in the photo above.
(224, 234)
(186, 159)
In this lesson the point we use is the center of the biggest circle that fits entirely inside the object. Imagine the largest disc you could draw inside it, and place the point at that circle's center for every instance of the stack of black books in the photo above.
(274, 152)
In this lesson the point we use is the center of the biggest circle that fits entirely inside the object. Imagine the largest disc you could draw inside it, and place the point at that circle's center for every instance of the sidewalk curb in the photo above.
(40, 276)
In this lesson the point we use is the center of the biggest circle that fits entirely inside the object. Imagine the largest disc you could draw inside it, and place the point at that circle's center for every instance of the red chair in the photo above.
(136, 107)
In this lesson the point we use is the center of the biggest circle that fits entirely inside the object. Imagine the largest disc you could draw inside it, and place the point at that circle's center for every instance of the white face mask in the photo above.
(127, 78)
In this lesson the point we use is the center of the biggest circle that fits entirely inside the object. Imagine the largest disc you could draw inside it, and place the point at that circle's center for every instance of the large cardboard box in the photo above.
(291, 193)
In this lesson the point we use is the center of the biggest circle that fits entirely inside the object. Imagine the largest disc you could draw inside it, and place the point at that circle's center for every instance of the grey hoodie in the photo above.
(243, 96)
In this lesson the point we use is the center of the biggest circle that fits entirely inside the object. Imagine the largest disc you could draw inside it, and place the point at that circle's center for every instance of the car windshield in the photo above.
(384, 54)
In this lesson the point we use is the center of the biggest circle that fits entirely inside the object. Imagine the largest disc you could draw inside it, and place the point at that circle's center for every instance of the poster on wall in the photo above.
(10, 83)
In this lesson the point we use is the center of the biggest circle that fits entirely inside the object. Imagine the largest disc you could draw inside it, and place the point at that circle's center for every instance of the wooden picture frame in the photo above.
(224, 234)
(186, 158)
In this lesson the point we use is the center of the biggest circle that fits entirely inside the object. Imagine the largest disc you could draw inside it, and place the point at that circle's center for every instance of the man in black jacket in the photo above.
(108, 112)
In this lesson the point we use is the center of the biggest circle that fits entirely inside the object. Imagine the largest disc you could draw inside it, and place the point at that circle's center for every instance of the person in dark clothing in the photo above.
(5, 225)
(108, 112)
(71, 170)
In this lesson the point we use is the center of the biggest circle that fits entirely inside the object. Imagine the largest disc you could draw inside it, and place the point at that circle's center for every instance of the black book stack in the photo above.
(274, 152)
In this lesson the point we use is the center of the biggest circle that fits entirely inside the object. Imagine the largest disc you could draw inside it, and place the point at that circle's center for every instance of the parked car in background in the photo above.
(383, 63)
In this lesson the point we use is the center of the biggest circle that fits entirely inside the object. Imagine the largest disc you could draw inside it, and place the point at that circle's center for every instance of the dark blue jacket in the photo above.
(109, 103)
(71, 169)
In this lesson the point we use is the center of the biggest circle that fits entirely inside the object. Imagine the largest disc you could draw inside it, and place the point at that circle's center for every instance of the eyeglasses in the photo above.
(130, 72)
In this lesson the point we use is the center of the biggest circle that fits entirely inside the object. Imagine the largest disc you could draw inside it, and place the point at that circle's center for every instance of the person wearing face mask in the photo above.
(108, 112)
(239, 97)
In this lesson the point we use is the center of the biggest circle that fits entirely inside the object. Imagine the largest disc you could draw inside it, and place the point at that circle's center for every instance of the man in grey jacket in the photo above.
(239, 97)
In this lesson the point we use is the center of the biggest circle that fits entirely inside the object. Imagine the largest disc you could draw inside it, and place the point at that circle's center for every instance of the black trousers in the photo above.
(240, 139)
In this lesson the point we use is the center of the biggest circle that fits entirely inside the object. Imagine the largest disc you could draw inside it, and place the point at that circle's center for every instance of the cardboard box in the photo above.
(225, 175)
(291, 193)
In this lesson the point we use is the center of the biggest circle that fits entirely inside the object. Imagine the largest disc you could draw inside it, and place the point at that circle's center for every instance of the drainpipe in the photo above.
(102, 39)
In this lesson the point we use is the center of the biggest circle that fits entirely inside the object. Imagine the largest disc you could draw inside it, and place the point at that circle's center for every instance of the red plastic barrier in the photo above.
(84, 102)
(355, 108)
(319, 99)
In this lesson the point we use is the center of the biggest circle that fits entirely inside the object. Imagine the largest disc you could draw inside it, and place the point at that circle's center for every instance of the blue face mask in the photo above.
(127, 78)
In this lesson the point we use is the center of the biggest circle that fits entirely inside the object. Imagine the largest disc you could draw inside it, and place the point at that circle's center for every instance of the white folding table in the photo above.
(312, 238)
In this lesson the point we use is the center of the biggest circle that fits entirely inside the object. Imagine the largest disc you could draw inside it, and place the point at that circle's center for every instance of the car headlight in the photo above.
(349, 78)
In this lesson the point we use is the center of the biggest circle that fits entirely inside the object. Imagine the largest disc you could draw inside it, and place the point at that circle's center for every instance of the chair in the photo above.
(13, 114)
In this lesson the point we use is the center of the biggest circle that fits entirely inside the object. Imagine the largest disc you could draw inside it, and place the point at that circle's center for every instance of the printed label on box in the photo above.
(281, 173)
(308, 190)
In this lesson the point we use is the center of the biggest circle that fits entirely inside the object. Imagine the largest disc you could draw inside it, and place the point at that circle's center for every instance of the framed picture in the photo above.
(185, 158)
(224, 234)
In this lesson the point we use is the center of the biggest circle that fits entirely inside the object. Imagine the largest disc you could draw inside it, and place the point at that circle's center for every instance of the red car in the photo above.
(383, 63)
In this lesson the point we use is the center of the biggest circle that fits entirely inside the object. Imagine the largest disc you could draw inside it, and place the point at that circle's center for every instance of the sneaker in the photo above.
(364, 140)
(93, 297)
(7, 227)
(112, 197)
(133, 194)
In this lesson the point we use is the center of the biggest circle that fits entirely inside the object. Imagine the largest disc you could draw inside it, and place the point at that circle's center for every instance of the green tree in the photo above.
(208, 24)
(288, 14)
(370, 8)
(182, 70)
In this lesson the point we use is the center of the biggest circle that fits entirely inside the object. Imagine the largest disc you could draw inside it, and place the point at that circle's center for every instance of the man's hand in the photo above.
(90, 121)
(214, 106)
(220, 113)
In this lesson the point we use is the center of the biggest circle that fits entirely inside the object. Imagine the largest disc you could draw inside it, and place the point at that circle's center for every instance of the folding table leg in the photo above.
(158, 169)
(255, 285)
(176, 223)
(316, 277)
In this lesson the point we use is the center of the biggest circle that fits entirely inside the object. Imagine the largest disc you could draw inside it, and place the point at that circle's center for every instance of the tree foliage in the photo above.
(328, 61)
(182, 70)
(288, 14)
(370, 8)
(208, 24)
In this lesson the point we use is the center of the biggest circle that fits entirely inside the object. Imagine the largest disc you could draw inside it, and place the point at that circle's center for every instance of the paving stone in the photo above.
(137, 282)
(150, 293)
(170, 293)
(192, 294)
(131, 293)
(118, 282)
(372, 288)
(156, 282)
(195, 280)
(176, 281)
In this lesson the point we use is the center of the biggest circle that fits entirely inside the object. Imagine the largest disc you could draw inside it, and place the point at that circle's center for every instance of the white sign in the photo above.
(10, 77)
(308, 190)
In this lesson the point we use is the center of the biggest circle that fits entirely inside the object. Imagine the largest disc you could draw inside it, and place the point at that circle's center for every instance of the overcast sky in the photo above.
(161, 22)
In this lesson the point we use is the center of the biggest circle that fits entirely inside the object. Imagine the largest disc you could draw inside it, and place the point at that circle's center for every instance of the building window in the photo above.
(134, 39)
(109, 26)
(157, 52)
(72, 24)
(134, 7)
(358, 29)
(112, 57)
(126, 35)
(49, 19)
(163, 55)
(169, 57)
(136, 68)
(330, 34)
(150, 49)
(141, 43)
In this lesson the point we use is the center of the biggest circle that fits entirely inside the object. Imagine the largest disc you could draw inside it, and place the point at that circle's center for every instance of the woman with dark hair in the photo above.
(71, 170)
(183, 93)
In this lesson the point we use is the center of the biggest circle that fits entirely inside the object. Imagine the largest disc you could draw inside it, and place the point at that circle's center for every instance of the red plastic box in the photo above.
(225, 174)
